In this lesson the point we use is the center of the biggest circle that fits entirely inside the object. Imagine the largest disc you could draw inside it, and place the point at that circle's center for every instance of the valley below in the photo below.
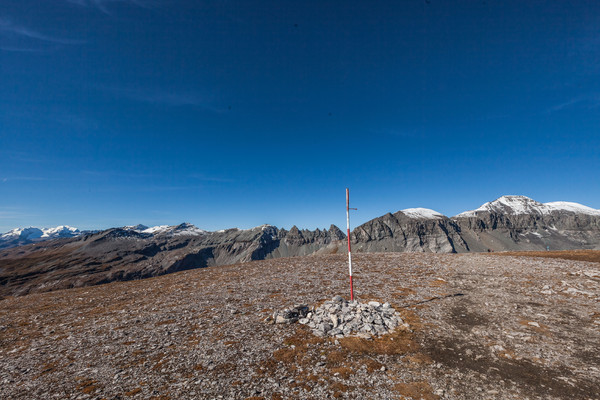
(490, 326)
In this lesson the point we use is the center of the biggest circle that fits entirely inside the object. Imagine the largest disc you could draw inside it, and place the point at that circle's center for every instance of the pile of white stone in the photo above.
(339, 318)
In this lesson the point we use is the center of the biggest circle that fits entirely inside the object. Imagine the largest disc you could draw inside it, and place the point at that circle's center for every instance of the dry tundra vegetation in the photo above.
(482, 326)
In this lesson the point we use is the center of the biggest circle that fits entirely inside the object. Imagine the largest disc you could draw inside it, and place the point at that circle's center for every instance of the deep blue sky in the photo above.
(239, 113)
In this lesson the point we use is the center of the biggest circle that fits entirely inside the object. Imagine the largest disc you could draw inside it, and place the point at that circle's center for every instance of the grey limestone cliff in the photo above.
(399, 232)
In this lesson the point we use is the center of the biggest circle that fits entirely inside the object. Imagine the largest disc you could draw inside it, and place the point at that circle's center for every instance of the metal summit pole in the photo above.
(349, 249)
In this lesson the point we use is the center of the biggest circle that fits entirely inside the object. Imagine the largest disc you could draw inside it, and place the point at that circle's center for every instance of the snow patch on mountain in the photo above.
(573, 207)
(185, 229)
(423, 213)
(228, 229)
(137, 228)
(259, 227)
(156, 229)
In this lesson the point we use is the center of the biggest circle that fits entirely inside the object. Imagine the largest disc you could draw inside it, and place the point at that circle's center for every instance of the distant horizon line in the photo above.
(412, 211)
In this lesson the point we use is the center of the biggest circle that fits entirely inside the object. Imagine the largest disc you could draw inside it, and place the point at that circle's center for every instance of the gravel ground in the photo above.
(481, 327)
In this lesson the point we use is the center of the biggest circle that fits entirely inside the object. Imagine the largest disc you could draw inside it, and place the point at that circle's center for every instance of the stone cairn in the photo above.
(340, 318)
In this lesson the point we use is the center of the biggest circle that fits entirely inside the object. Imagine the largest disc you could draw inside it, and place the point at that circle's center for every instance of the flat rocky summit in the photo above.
(479, 327)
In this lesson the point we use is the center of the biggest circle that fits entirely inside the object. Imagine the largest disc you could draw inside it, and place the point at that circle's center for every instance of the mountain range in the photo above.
(134, 252)
(22, 236)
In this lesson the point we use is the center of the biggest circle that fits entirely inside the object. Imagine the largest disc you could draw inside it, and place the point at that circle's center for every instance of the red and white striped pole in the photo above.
(349, 249)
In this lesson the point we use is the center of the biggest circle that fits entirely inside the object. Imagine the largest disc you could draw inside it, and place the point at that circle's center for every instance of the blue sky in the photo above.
(239, 113)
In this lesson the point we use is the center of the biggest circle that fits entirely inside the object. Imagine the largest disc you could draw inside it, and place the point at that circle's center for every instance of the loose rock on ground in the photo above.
(339, 318)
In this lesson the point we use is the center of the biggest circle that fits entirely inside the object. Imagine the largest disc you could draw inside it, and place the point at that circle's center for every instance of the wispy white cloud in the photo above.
(168, 98)
(401, 133)
(117, 174)
(7, 179)
(21, 156)
(207, 178)
(584, 101)
(171, 99)
(562, 106)
(22, 49)
(10, 28)
(74, 121)
(167, 188)
(193, 178)
(11, 217)
(146, 188)
(103, 5)
(13, 213)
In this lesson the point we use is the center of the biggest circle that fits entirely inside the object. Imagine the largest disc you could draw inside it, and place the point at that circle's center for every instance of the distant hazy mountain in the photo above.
(125, 253)
(22, 236)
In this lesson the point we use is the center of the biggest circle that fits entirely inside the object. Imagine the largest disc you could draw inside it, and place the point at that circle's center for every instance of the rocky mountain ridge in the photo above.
(518, 205)
(120, 254)
(136, 252)
(507, 223)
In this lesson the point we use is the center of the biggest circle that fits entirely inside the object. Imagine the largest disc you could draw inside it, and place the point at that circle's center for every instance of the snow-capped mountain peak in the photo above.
(60, 231)
(519, 205)
(508, 205)
(423, 213)
(32, 233)
(184, 229)
(22, 234)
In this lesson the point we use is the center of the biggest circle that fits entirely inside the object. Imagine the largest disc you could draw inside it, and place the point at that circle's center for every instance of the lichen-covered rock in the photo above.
(290, 315)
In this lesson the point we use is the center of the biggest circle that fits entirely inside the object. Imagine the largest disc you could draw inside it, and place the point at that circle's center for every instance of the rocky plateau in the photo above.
(480, 326)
